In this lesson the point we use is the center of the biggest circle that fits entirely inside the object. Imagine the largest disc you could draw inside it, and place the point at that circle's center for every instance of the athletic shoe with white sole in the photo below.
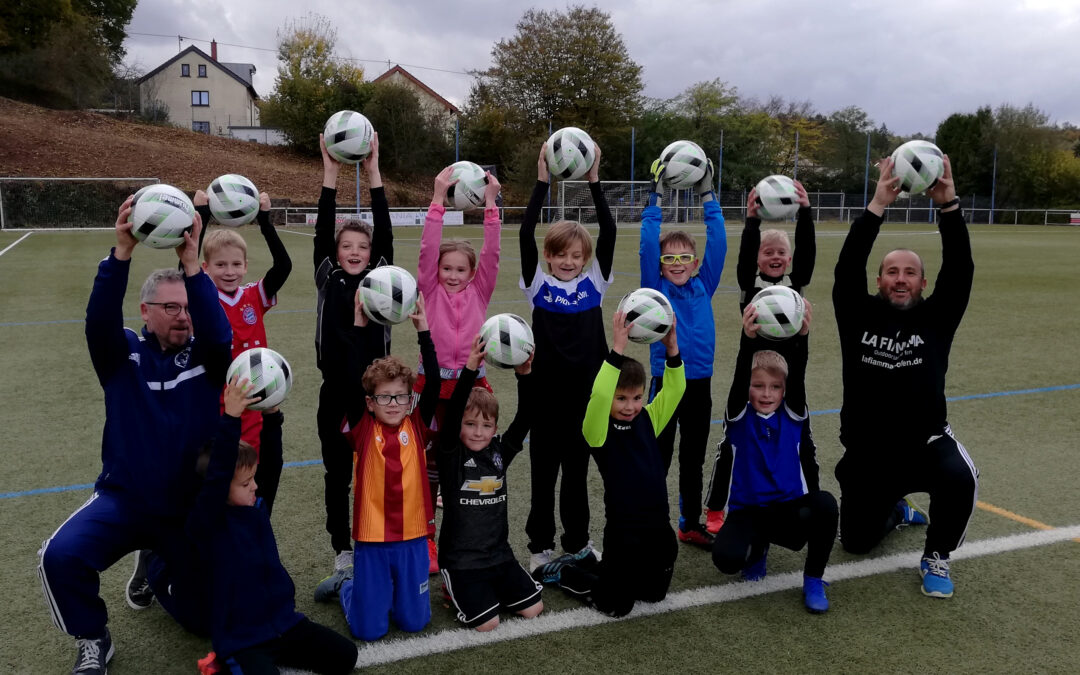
(538, 560)
(329, 587)
(93, 655)
(138, 593)
(936, 582)
(910, 514)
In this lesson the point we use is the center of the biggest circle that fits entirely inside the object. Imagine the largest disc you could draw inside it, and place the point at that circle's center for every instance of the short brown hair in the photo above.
(771, 362)
(561, 235)
(631, 375)
(246, 456)
(674, 237)
(774, 235)
(222, 238)
(387, 369)
(461, 246)
(353, 226)
(484, 402)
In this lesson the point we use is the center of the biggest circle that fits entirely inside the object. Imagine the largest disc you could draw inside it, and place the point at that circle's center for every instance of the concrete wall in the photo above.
(230, 102)
(267, 135)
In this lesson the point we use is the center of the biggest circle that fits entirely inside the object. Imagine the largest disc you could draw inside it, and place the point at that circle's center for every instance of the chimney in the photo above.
(213, 49)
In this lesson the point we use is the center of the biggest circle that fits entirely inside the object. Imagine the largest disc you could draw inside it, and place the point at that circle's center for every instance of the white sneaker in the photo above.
(590, 547)
(540, 559)
(343, 560)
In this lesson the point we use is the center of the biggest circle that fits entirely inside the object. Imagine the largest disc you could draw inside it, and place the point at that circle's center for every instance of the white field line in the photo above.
(11, 246)
(514, 629)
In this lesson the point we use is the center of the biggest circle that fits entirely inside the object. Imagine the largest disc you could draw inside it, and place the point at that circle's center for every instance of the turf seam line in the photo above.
(16, 243)
(513, 629)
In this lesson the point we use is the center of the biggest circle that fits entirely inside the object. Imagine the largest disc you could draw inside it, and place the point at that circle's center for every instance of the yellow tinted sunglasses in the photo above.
(680, 258)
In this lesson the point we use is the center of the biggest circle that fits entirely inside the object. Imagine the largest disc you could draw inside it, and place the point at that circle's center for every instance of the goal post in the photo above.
(63, 203)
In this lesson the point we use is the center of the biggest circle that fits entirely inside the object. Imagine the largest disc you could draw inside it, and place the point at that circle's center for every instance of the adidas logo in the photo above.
(470, 463)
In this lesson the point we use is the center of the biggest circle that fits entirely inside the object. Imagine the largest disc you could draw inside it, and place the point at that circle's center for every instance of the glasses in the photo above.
(387, 399)
(171, 308)
(680, 258)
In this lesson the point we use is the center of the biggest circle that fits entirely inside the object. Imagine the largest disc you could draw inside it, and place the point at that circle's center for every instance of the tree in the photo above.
(312, 84)
(968, 138)
(410, 140)
(844, 151)
(109, 18)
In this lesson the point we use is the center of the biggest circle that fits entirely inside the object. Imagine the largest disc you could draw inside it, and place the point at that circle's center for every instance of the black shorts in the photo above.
(478, 594)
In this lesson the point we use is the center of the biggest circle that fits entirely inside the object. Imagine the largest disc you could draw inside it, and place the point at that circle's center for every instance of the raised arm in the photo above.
(649, 247)
(514, 437)
(429, 397)
(427, 266)
(382, 239)
(849, 280)
(487, 270)
(957, 272)
(805, 255)
(455, 408)
(739, 393)
(281, 263)
(598, 411)
(605, 241)
(105, 310)
(527, 234)
(712, 267)
(326, 220)
(746, 268)
(202, 206)
(663, 406)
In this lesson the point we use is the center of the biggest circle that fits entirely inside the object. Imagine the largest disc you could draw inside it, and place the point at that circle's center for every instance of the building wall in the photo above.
(267, 135)
(230, 102)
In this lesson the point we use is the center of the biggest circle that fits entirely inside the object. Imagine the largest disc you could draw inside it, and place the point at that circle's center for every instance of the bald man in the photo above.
(895, 346)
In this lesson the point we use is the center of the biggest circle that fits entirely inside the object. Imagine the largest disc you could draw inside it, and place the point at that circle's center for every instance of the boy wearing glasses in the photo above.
(669, 264)
(391, 500)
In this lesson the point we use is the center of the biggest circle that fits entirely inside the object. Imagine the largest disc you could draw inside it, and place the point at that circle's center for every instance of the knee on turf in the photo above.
(727, 563)
(533, 611)
(489, 625)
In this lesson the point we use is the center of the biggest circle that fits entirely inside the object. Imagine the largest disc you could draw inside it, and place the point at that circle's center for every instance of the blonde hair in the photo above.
(677, 237)
(774, 236)
(484, 402)
(771, 362)
(220, 239)
(461, 246)
(561, 235)
(387, 369)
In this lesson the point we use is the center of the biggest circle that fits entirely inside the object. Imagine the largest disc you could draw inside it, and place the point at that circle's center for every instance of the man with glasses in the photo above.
(669, 264)
(161, 407)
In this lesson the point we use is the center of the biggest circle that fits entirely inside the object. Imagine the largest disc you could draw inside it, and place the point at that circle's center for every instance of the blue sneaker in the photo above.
(910, 514)
(935, 577)
(813, 590)
(755, 571)
(551, 573)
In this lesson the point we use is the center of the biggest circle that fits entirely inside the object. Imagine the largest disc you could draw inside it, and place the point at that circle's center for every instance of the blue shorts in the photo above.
(390, 579)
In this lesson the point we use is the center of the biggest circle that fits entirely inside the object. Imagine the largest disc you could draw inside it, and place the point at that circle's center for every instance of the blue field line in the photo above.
(831, 411)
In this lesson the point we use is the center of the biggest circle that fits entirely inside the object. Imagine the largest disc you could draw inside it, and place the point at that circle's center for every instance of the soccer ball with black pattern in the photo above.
(919, 164)
(570, 153)
(160, 215)
(269, 373)
(348, 136)
(508, 340)
(389, 294)
(684, 164)
(779, 312)
(468, 192)
(233, 200)
(777, 198)
(648, 314)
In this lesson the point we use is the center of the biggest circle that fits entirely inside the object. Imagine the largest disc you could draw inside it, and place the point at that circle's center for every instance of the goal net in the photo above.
(64, 203)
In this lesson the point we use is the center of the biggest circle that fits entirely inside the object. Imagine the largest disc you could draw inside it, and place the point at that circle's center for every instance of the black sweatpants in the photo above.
(637, 565)
(694, 419)
(874, 479)
(307, 646)
(556, 442)
(338, 467)
(807, 521)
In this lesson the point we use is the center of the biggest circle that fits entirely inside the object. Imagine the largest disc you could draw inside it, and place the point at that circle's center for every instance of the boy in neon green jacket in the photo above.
(639, 545)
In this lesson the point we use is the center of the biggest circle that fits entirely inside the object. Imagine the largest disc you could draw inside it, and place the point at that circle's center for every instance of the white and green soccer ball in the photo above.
(508, 340)
(570, 153)
(684, 164)
(268, 372)
(468, 192)
(160, 215)
(779, 312)
(389, 294)
(919, 164)
(777, 198)
(348, 136)
(233, 200)
(648, 314)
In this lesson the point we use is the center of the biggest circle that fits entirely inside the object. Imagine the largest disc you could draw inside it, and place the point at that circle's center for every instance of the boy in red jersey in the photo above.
(391, 500)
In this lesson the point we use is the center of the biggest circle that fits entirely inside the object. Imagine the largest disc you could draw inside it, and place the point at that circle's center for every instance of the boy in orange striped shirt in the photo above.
(391, 499)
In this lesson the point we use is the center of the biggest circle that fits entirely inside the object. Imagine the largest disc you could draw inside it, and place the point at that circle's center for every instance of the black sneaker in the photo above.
(138, 593)
(93, 655)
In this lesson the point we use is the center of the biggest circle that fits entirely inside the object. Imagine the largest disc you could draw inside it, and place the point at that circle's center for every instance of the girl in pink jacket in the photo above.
(456, 291)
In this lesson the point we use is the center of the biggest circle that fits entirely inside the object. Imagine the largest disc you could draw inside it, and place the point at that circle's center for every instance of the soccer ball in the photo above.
(648, 313)
(468, 192)
(160, 215)
(570, 153)
(508, 340)
(919, 165)
(389, 294)
(348, 136)
(684, 164)
(779, 312)
(233, 200)
(777, 198)
(269, 374)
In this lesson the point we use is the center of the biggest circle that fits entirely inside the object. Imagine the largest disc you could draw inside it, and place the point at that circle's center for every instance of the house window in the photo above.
(200, 98)
(201, 127)
(202, 70)
(185, 70)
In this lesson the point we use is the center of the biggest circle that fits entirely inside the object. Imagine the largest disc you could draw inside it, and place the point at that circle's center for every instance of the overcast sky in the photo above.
(908, 64)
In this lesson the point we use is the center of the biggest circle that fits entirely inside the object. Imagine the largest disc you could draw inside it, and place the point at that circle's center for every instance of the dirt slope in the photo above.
(63, 143)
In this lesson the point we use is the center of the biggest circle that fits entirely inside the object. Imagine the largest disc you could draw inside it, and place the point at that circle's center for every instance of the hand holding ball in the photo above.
(649, 315)
(161, 215)
(388, 294)
(570, 153)
(779, 312)
(267, 371)
(508, 340)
